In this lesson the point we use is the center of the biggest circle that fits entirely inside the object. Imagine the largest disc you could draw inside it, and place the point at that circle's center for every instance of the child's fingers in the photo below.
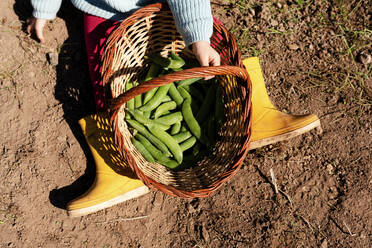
(215, 59)
(36, 25)
(30, 25)
(39, 27)
(206, 55)
(203, 59)
(39, 35)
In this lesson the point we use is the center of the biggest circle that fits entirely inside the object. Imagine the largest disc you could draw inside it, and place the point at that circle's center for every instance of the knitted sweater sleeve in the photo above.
(193, 19)
(45, 9)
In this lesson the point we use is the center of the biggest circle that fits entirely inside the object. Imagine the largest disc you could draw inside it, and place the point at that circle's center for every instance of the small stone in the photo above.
(330, 169)
(191, 209)
(260, 44)
(324, 244)
(274, 23)
(311, 47)
(364, 58)
(252, 11)
(279, 5)
(193, 206)
(52, 58)
(293, 47)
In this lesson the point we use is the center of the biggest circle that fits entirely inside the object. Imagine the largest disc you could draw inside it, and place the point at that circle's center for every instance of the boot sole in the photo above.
(119, 199)
(271, 140)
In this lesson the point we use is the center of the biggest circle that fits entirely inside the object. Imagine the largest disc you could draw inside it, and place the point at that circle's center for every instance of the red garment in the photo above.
(96, 31)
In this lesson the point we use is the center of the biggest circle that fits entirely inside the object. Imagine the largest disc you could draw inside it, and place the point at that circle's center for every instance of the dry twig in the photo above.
(348, 229)
(124, 219)
(273, 180)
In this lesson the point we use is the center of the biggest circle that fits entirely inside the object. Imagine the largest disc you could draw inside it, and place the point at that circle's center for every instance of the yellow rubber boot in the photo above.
(269, 125)
(114, 182)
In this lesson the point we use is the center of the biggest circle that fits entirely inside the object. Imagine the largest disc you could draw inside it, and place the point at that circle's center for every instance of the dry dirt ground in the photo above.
(316, 57)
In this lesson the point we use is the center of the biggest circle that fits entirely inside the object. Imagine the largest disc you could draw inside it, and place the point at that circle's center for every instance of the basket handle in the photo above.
(116, 103)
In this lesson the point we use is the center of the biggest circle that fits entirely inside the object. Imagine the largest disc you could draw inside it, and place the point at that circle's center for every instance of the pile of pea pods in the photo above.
(175, 124)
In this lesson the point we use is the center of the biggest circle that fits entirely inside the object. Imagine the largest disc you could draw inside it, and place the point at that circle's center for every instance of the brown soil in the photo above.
(314, 55)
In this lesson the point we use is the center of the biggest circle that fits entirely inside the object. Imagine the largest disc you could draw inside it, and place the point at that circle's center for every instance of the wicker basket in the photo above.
(152, 30)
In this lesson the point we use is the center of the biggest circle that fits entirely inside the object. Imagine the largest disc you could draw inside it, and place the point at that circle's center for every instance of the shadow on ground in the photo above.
(73, 90)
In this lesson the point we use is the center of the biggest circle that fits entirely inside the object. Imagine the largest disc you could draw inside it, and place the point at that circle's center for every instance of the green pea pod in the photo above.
(170, 163)
(187, 144)
(137, 99)
(170, 119)
(142, 130)
(145, 153)
(153, 71)
(166, 99)
(190, 119)
(168, 63)
(168, 141)
(157, 154)
(188, 81)
(175, 129)
(184, 93)
(165, 113)
(138, 115)
(149, 94)
(127, 116)
(164, 107)
(194, 92)
(183, 128)
(130, 103)
(175, 94)
(176, 61)
(147, 114)
(182, 136)
(174, 56)
(176, 69)
(196, 149)
(155, 101)
(206, 106)
(160, 60)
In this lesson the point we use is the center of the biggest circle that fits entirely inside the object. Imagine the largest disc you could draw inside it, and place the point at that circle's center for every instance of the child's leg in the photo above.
(96, 31)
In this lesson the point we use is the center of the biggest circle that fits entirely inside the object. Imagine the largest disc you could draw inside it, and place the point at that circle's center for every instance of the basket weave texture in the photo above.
(152, 30)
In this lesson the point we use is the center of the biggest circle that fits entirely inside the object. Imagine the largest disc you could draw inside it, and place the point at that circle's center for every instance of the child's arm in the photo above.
(43, 11)
(194, 21)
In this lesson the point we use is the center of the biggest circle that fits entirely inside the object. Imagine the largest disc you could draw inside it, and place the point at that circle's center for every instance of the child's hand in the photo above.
(36, 25)
(205, 54)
